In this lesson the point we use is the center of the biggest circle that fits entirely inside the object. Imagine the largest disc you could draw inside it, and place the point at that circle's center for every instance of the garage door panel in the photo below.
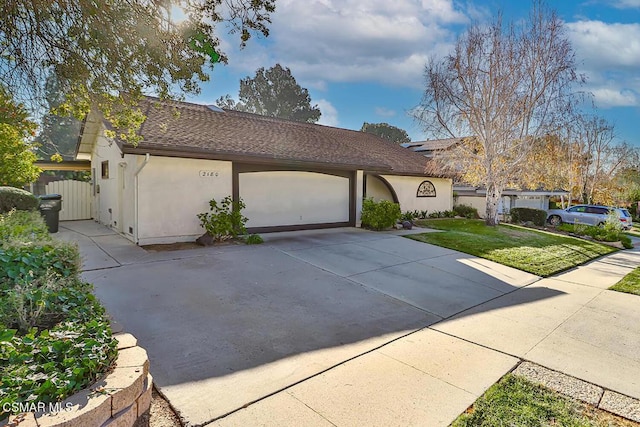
(281, 198)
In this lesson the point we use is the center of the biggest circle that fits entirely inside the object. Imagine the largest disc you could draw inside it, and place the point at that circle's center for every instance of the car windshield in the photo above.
(625, 212)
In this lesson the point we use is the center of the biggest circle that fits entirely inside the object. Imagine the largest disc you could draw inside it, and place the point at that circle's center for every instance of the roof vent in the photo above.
(215, 108)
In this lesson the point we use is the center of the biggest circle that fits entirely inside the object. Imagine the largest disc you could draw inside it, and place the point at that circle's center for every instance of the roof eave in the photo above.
(200, 153)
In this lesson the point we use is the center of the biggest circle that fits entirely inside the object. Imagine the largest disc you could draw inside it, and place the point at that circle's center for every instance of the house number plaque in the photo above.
(209, 174)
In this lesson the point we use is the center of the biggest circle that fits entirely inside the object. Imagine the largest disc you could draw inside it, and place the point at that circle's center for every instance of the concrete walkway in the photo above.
(348, 327)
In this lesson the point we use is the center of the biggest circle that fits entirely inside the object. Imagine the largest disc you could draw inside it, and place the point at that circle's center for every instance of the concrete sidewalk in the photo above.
(480, 321)
(431, 376)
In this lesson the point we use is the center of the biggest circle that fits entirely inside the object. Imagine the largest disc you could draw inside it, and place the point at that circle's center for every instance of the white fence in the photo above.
(76, 198)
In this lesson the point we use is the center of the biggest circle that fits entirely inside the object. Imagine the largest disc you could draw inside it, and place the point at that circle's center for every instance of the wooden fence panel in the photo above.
(76, 198)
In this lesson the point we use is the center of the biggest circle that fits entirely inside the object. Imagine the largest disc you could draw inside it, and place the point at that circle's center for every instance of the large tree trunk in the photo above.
(493, 198)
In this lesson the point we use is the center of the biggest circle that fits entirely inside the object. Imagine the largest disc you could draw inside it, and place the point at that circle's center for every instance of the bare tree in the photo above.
(505, 85)
(600, 157)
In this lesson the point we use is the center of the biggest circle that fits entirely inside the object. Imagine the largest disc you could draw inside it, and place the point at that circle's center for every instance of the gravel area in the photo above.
(560, 382)
(605, 406)
(161, 414)
(621, 405)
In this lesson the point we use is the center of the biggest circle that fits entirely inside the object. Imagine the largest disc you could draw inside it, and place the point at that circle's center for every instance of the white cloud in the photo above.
(385, 112)
(329, 115)
(627, 4)
(356, 40)
(605, 45)
(614, 97)
(609, 55)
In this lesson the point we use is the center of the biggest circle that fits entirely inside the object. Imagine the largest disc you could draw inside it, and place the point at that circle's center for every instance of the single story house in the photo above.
(476, 197)
(290, 175)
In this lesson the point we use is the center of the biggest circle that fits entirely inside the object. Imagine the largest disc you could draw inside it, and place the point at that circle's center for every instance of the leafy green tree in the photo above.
(108, 53)
(16, 152)
(58, 134)
(386, 131)
(274, 93)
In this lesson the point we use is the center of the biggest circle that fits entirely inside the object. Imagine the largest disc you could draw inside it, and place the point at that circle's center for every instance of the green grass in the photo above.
(629, 283)
(529, 250)
(515, 401)
(634, 231)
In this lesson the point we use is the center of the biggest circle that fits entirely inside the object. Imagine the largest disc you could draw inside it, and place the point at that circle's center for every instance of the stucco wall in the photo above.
(377, 190)
(172, 191)
(277, 198)
(534, 202)
(477, 202)
(406, 188)
(113, 196)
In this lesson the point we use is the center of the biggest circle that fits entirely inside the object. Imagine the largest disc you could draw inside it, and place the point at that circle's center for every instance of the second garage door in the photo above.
(294, 199)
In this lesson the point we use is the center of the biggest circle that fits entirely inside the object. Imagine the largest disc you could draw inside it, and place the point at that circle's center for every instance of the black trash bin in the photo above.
(50, 206)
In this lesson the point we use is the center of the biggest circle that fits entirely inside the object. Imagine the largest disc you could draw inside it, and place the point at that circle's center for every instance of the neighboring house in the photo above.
(290, 175)
(476, 197)
(429, 148)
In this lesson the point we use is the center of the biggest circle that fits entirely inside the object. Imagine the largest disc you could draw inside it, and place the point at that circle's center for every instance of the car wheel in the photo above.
(555, 220)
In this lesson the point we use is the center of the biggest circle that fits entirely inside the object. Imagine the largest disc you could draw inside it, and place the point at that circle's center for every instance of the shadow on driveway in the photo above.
(228, 326)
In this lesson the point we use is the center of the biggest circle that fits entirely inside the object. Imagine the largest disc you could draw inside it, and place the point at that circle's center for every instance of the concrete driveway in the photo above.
(319, 327)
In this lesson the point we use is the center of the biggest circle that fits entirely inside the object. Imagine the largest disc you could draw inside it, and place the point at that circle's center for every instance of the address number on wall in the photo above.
(208, 174)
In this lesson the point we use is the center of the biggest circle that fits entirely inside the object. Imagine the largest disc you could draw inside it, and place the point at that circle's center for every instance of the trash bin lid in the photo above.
(50, 197)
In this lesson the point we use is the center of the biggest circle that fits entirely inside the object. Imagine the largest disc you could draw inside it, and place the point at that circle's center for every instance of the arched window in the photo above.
(426, 189)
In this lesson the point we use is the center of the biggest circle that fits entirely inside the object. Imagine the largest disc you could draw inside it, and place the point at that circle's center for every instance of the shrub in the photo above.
(23, 262)
(602, 234)
(520, 215)
(379, 215)
(225, 220)
(466, 211)
(613, 224)
(54, 336)
(254, 239)
(22, 226)
(626, 241)
(442, 214)
(567, 228)
(50, 365)
(45, 301)
(16, 198)
(408, 216)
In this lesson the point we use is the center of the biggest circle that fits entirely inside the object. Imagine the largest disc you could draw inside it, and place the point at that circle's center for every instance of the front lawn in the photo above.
(529, 250)
(515, 401)
(629, 283)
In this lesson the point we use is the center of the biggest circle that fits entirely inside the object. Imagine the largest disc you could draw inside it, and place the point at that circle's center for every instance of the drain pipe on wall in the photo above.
(135, 189)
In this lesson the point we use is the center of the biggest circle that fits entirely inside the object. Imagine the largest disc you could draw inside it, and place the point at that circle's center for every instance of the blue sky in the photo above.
(363, 60)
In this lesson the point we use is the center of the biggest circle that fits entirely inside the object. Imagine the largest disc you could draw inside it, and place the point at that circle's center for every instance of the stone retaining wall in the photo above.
(117, 400)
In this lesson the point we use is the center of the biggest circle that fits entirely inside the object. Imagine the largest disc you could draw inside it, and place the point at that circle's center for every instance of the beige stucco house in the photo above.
(290, 175)
(476, 197)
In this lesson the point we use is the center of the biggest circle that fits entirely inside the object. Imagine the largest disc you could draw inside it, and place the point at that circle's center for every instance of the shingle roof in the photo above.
(193, 130)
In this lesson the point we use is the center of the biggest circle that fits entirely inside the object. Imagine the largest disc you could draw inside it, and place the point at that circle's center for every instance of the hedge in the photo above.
(15, 198)
(520, 215)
